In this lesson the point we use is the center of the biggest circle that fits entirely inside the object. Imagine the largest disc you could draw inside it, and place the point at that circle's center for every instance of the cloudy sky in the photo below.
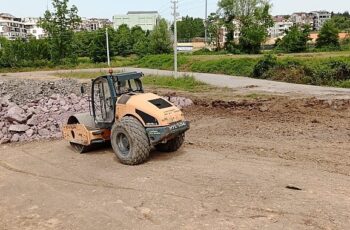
(107, 8)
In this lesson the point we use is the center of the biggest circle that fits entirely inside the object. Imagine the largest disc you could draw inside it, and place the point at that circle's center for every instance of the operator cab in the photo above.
(105, 92)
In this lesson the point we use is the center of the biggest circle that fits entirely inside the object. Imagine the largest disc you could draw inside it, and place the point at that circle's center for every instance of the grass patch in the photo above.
(189, 84)
(254, 96)
(238, 67)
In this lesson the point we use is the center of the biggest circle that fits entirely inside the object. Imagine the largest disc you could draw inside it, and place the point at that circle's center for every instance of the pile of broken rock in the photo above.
(38, 119)
(36, 110)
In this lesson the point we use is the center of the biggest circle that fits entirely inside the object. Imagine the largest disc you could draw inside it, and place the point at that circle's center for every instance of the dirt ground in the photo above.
(233, 173)
(251, 161)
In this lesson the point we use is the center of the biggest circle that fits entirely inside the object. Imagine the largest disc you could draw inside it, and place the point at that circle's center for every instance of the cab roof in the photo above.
(123, 76)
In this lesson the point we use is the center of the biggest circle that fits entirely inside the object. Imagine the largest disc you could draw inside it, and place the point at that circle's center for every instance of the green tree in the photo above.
(21, 53)
(254, 19)
(142, 47)
(60, 25)
(160, 38)
(295, 40)
(137, 34)
(82, 42)
(215, 24)
(122, 42)
(189, 28)
(328, 36)
(140, 41)
(97, 47)
(341, 22)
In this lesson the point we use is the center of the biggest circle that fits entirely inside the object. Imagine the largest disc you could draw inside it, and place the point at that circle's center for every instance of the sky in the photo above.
(108, 8)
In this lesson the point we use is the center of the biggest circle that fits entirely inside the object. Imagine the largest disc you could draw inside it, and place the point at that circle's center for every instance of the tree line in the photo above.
(251, 18)
(63, 46)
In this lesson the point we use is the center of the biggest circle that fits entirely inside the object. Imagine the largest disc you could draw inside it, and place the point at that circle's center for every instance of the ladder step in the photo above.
(97, 132)
(98, 141)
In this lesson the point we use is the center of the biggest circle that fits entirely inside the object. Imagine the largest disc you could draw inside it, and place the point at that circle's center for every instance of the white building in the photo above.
(11, 27)
(224, 31)
(279, 29)
(32, 28)
(147, 20)
(319, 18)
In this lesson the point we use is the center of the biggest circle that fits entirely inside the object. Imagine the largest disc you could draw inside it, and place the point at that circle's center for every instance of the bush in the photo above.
(269, 61)
(292, 74)
(315, 72)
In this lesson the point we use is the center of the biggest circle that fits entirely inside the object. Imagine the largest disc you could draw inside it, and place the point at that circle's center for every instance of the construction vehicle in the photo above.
(134, 122)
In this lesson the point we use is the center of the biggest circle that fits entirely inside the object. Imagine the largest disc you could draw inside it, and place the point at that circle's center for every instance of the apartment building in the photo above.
(147, 20)
(281, 25)
(11, 27)
(302, 18)
(319, 18)
(92, 24)
(32, 28)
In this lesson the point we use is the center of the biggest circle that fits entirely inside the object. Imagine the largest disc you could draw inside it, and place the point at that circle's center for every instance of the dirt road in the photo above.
(231, 174)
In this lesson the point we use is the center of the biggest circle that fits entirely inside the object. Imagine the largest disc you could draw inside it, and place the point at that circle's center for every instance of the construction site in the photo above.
(253, 158)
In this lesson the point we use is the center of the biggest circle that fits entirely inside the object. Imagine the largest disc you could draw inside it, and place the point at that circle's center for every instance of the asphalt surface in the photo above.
(238, 84)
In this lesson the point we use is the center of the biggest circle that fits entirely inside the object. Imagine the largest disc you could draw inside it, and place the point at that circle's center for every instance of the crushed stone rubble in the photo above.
(33, 110)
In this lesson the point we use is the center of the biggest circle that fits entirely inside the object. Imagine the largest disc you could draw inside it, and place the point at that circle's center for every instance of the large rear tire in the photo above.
(172, 145)
(130, 141)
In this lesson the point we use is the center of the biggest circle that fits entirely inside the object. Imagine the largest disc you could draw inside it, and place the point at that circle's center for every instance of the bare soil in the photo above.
(270, 163)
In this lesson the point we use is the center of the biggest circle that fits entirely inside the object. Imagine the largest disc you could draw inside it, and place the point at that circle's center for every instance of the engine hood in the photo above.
(151, 109)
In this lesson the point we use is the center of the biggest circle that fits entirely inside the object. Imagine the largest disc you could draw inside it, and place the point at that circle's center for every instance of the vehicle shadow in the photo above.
(155, 155)
(162, 156)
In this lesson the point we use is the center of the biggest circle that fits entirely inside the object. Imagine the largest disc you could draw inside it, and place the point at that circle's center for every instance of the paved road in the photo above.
(239, 84)
(251, 84)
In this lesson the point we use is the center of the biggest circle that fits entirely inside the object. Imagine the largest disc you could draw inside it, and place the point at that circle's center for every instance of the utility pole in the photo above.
(206, 23)
(107, 44)
(175, 36)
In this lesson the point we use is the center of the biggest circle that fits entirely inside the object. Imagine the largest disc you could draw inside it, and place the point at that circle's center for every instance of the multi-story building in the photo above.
(147, 20)
(280, 28)
(302, 18)
(319, 18)
(224, 31)
(11, 27)
(92, 24)
(32, 28)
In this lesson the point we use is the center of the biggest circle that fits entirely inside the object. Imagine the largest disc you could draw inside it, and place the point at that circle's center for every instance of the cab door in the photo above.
(103, 106)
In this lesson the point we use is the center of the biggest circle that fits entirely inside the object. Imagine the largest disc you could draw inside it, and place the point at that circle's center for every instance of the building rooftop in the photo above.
(142, 12)
(321, 12)
(6, 15)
